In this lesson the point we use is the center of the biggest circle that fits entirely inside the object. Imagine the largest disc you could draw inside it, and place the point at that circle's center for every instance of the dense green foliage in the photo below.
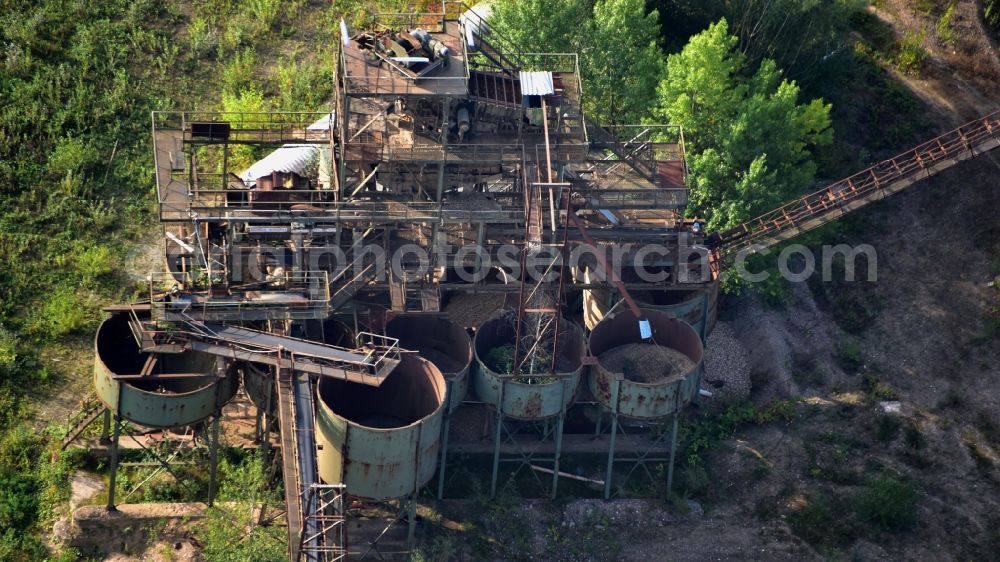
(804, 37)
(750, 143)
(77, 83)
(620, 60)
(228, 533)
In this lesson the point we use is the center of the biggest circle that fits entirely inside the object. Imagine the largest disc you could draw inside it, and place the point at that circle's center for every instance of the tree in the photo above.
(620, 59)
(750, 143)
(622, 63)
(539, 26)
(804, 37)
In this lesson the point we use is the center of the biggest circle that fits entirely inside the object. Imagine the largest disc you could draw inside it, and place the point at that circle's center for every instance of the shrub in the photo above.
(202, 37)
(849, 355)
(817, 520)
(944, 25)
(888, 503)
(96, 262)
(911, 55)
(63, 313)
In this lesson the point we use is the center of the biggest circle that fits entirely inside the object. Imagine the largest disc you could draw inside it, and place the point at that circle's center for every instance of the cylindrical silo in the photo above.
(647, 399)
(441, 342)
(520, 399)
(697, 307)
(382, 442)
(157, 401)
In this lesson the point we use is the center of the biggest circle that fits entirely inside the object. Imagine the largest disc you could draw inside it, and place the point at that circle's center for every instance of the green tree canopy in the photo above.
(621, 62)
(750, 143)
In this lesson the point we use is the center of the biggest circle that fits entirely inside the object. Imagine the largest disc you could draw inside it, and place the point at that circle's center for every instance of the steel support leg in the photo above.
(673, 448)
(106, 428)
(615, 389)
(496, 440)
(444, 438)
(555, 462)
(113, 477)
(411, 529)
(213, 459)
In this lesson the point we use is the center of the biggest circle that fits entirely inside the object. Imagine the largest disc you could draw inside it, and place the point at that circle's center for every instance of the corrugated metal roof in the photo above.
(297, 158)
(323, 124)
(536, 83)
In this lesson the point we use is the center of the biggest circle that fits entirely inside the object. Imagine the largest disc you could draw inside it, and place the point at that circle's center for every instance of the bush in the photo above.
(849, 355)
(888, 503)
(911, 55)
(944, 25)
(63, 313)
(818, 520)
(95, 262)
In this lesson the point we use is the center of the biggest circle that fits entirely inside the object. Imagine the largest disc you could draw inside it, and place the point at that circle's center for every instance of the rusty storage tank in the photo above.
(382, 442)
(523, 400)
(441, 342)
(645, 400)
(168, 402)
(688, 305)
(258, 380)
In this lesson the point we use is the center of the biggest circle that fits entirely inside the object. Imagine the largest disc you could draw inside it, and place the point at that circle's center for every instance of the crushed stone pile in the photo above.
(646, 362)
(727, 369)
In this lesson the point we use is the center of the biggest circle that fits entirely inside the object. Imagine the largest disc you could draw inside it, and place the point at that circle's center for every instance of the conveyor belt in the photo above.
(293, 499)
(305, 438)
(304, 356)
(875, 183)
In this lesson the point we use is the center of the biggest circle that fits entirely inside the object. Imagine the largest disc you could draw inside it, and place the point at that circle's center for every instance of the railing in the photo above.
(623, 199)
(292, 295)
(885, 178)
(268, 127)
(316, 206)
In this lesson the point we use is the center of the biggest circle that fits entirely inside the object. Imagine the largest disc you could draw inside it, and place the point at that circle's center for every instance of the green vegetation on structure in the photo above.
(620, 60)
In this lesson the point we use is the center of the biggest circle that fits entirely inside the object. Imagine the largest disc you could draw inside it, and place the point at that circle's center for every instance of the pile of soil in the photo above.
(471, 310)
(646, 362)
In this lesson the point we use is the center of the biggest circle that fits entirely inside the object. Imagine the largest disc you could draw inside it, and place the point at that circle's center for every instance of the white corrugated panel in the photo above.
(536, 83)
(297, 158)
(474, 21)
(323, 124)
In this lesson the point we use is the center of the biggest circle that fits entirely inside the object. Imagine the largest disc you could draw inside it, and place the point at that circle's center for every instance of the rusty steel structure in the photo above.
(317, 254)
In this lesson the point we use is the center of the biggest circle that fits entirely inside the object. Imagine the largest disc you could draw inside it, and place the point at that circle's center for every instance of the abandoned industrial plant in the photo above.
(454, 293)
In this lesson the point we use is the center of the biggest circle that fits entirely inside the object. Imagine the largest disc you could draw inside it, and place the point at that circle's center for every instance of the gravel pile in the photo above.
(645, 362)
(471, 310)
(727, 370)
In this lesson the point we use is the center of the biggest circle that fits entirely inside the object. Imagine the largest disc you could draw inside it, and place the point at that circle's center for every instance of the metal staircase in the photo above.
(91, 410)
(626, 151)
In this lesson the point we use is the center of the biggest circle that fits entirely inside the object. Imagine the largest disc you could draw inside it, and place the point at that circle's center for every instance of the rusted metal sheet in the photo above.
(645, 400)
(521, 400)
(440, 341)
(381, 442)
(156, 402)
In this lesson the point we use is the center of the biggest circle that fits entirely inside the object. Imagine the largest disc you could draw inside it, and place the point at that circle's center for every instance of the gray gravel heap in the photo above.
(727, 370)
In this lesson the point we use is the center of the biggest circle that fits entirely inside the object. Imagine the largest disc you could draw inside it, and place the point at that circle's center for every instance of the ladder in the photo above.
(92, 409)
